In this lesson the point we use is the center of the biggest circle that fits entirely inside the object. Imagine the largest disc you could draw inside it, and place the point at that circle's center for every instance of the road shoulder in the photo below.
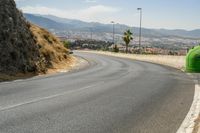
(75, 63)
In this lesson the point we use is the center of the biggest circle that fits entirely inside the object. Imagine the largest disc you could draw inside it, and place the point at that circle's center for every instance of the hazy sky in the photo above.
(171, 14)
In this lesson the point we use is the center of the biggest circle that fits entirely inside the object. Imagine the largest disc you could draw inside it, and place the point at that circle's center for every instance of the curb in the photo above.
(189, 123)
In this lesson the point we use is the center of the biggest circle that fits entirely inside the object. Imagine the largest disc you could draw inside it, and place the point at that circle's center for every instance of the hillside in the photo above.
(62, 24)
(45, 22)
(17, 46)
(26, 48)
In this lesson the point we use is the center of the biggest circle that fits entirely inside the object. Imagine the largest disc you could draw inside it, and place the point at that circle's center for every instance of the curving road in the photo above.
(111, 95)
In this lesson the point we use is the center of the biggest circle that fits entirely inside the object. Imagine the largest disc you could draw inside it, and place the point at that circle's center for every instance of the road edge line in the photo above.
(188, 123)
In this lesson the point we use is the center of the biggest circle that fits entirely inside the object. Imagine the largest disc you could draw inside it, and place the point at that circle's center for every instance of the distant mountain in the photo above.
(183, 33)
(63, 24)
(77, 23)
(45, 22)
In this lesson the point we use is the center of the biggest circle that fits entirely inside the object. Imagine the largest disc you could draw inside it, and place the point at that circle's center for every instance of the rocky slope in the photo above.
(25, 47)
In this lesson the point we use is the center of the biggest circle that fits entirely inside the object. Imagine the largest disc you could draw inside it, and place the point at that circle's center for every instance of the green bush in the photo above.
(67, 44)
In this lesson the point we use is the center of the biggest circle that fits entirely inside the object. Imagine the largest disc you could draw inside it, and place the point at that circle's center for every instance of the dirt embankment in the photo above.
(54, 56)
(27, 49)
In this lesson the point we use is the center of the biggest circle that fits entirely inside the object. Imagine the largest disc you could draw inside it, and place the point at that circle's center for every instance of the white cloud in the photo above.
(19, 0)
(90, 1)
(100, 13)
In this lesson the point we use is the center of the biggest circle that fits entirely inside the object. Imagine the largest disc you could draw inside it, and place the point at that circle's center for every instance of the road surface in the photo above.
(111, 95)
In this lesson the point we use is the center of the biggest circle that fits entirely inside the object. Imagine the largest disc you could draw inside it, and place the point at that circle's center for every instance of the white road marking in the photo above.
(18, 80)
(189, 122)
(48, 97)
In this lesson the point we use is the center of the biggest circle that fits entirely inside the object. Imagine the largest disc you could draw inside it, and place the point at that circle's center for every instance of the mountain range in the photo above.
(58, 24)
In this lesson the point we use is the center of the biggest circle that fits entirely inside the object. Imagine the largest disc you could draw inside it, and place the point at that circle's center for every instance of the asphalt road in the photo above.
(111, 95)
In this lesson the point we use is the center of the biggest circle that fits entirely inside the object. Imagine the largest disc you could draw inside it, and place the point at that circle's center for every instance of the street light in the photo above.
(140, 34)
(91, 33)
(112, 22)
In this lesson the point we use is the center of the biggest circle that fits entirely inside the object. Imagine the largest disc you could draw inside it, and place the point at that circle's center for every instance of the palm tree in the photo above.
(127, 38)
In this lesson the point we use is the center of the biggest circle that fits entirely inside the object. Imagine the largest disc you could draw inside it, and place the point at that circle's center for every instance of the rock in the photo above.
(25, 47)
(18, 50)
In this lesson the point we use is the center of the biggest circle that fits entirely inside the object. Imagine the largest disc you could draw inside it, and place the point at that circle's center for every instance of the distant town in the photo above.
(97, 36)
(160, 45)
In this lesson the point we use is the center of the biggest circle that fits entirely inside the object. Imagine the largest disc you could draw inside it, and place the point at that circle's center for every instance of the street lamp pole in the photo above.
(91, 30)
(113, 32)
(140, 34)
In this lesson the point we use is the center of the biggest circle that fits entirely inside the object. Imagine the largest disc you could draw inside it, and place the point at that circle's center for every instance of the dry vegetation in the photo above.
(54, 57)
(54, 54)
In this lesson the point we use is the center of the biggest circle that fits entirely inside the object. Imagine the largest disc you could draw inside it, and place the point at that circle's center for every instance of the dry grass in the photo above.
(64, 66)
(197, 125)
(50, 47)
(56, 56)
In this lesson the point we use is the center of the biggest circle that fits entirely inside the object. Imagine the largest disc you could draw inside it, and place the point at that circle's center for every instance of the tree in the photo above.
(67, 44)
(127, 38)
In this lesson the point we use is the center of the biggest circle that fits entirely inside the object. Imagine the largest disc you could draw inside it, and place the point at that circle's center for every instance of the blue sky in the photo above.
(170, 14)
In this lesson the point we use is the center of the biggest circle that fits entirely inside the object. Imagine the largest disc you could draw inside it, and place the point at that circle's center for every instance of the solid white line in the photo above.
(189, 122)
(47, 98)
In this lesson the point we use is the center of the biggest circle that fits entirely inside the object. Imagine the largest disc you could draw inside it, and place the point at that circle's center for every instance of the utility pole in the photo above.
(140, 34)
(113, 32)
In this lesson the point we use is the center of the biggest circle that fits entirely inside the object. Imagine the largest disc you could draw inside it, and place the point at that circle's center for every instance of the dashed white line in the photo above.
(47, 97)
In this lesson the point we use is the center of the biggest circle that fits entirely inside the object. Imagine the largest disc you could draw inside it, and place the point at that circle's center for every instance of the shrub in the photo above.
(115, 49)
(67, 44)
